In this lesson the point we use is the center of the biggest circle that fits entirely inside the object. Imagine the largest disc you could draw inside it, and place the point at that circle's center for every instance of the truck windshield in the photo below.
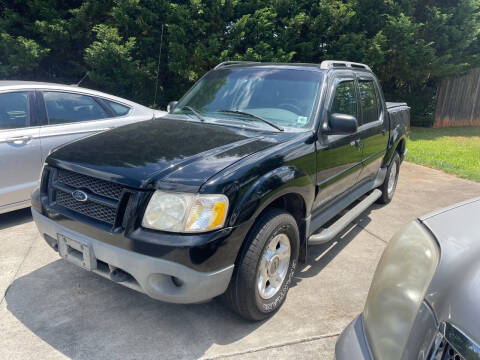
(284, 97)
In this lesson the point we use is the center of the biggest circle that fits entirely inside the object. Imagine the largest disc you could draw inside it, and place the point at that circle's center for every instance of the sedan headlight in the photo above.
(183, 212)
(398, 289)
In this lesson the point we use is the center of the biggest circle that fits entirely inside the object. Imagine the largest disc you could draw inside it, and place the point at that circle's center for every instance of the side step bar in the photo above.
(328, 234)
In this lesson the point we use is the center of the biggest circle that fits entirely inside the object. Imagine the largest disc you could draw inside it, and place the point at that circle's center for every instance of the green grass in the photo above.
(454, 150)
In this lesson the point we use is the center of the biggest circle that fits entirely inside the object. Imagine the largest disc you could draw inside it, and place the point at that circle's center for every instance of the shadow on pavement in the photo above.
(87, 317)
(14, 218)
(320, 256)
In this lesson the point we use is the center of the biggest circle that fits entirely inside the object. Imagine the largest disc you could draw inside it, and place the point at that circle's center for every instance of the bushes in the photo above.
(409, 44)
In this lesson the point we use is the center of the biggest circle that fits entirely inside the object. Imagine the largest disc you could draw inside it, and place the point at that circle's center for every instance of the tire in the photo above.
(250, 292)
(390, 183)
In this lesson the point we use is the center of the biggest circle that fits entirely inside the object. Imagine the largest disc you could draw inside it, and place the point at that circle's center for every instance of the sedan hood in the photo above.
(162, 150)
(455, 287)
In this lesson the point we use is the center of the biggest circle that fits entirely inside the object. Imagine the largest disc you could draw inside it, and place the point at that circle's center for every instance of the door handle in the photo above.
(355, 143)
(19, 139)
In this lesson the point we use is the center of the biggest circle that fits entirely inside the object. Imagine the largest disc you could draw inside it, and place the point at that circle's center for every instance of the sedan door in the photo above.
(20, 153)
(69, 116)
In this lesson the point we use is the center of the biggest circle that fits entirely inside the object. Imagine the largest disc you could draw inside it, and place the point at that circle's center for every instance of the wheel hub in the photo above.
(392, 179)
(273, 266)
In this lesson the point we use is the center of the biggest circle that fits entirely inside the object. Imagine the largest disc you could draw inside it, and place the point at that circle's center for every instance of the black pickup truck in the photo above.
(224, 195)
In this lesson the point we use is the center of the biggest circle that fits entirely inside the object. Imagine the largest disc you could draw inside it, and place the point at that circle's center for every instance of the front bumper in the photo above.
(159, 278)
(352, 343)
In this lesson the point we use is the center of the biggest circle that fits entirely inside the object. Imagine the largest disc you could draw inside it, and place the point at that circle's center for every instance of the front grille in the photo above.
(447, 352)
(104, 197)
(96, 186)
(87, 208)
(451, 343)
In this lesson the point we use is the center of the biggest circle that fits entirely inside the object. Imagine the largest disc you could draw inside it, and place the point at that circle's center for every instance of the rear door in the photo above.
(339, 157)
(373, 130)
(69, 116)
(20, 155)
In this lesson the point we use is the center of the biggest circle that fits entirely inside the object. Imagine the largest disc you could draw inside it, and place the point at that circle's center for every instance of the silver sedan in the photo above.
(423, 302)
(38, 117)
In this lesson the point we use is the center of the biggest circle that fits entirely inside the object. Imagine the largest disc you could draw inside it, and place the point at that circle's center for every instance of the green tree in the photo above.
(111, 62)
(19, 56)
(410, 44)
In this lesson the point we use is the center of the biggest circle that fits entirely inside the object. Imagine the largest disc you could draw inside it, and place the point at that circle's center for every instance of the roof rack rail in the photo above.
(328, 64)
(233, 62)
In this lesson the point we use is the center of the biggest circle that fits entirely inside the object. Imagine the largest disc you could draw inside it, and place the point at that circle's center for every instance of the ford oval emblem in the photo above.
(79, 195)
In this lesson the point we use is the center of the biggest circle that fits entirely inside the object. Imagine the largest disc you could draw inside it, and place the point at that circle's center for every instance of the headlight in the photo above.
(182, 212)
(398, 289)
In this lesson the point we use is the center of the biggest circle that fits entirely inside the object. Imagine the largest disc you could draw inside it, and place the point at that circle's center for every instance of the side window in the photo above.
(14, 110)
(369, 100)
(118, 109)
(65, 108)
(345, 99)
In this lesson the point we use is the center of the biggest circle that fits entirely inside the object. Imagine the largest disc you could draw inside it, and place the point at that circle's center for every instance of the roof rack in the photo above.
(233, 62)
(328, 64)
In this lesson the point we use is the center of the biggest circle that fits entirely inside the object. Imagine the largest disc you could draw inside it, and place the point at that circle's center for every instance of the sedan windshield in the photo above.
(283, 97)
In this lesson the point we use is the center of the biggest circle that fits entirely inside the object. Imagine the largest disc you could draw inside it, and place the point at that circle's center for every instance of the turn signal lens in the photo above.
(208, 212)
(183, 212)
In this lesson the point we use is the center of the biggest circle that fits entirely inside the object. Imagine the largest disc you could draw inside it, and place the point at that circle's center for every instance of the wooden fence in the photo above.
(458, 101)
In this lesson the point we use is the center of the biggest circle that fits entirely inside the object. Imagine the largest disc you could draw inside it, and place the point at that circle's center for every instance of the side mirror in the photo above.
(340, 124)
(171, 105)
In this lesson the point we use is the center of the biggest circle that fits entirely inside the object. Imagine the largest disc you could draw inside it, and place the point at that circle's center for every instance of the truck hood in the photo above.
(455, 287)
(162, 150)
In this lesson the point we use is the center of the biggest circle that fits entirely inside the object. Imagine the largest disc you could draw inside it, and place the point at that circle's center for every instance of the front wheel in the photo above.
(390, 183)
(265, 270)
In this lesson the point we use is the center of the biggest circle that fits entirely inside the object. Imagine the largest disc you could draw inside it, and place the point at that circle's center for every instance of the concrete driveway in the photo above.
(54, 310)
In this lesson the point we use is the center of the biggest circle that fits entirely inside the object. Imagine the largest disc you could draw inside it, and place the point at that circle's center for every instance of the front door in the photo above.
(20, 153)
(339, 157)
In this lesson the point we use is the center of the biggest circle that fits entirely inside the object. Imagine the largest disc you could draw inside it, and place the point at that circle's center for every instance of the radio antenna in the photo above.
(158, 68)
(83, 78)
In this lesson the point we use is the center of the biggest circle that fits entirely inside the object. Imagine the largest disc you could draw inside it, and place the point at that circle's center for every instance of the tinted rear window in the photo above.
(68, 107)
(369, 100)
(118, 109)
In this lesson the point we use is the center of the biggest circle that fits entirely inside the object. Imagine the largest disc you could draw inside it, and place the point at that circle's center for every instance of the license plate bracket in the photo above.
(76, 251)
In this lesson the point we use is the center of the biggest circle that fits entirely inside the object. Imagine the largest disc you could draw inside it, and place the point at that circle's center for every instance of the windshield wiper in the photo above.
(195, 112)
(253, 116)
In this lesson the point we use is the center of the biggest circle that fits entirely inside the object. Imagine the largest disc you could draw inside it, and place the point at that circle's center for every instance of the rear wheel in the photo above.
(264, 272)
(390, 183)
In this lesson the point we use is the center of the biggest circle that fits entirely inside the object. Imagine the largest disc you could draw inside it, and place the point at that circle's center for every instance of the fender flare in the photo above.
(270, 187)
(396, 140)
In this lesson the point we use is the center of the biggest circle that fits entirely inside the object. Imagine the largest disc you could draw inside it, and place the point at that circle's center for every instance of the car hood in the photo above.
(455, 287)
(183, 153)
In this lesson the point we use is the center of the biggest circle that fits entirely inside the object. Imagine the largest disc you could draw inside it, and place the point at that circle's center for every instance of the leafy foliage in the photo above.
(410, 44)
(19, 55)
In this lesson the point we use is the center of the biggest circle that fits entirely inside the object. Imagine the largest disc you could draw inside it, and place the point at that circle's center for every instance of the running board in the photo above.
(328, 234)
